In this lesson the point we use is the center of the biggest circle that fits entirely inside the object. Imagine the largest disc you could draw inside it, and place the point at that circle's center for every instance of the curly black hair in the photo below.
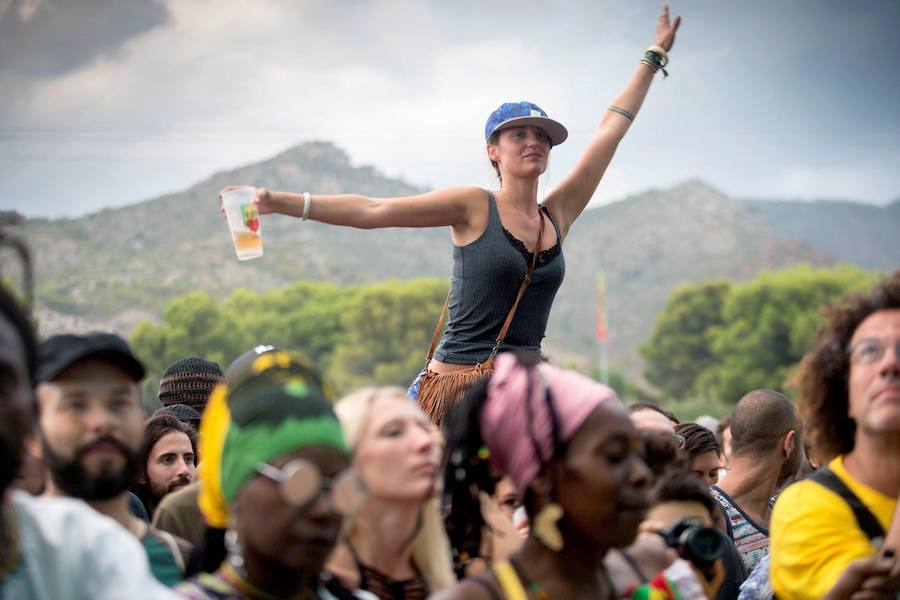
(821, 380)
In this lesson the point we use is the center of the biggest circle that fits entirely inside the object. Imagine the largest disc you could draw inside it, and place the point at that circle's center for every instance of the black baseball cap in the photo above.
(59, 352)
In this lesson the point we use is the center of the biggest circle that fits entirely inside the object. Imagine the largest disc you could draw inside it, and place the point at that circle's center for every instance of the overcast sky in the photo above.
(111, 102)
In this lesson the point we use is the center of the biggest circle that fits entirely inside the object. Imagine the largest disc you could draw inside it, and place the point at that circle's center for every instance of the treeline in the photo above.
(712, 342)
(716, 340)
(375, 334)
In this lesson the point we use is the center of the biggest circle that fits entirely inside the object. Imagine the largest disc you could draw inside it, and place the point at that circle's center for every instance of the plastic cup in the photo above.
(243, 221)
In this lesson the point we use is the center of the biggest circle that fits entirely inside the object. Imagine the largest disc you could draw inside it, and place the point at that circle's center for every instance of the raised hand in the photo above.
(665, 30)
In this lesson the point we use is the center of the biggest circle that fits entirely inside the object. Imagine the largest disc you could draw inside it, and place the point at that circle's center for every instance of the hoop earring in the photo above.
(545, 527)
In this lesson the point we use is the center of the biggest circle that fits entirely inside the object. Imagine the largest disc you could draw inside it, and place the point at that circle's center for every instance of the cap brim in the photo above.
(555, 130)
(128, 363)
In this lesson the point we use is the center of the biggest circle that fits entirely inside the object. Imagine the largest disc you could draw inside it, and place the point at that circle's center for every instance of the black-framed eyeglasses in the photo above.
(869, 351)
(300, 483)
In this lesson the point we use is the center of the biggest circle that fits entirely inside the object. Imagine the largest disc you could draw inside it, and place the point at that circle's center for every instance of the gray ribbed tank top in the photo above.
(486, 277)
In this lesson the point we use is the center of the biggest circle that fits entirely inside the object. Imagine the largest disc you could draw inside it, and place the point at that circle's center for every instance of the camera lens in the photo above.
(702, 545)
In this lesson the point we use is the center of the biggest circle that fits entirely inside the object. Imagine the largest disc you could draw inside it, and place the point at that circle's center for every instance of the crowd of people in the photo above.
(496, 475)
(257, 482)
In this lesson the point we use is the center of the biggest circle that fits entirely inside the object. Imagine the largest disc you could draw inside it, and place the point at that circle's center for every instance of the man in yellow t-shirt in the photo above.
(849, 387)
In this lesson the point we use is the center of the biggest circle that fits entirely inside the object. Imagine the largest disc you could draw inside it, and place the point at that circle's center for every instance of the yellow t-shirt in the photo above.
(814, 535)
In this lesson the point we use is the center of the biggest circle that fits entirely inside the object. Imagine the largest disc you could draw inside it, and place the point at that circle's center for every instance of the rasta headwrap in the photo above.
(270, 404)
(529, 412)
(515, 422)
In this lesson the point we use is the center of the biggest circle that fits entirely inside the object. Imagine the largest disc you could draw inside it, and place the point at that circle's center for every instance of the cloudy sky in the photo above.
(108, 102)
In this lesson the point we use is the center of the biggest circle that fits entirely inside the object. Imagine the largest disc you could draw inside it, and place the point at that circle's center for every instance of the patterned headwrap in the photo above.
(516, 422)
(270, 404)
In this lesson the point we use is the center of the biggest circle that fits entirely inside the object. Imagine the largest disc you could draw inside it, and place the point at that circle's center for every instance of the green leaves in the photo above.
(715, 341)
(357, 335)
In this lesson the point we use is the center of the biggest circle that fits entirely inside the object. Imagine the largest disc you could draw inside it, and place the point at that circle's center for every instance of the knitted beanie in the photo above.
(189, 381)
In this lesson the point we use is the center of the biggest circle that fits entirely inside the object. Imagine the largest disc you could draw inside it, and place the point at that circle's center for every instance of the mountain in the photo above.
(852, 232)
(115, 267)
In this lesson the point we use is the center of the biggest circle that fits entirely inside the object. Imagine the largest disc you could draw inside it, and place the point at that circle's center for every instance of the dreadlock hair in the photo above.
(21, 319)
(469, 471)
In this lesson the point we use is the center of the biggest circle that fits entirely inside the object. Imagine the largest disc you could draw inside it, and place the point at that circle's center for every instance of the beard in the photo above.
(159, 490)
(71, 477)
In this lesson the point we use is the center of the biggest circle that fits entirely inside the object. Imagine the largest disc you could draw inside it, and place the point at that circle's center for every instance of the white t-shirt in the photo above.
(68, 550)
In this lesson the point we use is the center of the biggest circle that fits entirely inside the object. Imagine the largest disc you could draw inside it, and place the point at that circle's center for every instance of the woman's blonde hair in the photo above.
(430, 546)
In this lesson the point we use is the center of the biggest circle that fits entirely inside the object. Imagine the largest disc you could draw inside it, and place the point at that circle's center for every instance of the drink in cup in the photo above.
(243, 221)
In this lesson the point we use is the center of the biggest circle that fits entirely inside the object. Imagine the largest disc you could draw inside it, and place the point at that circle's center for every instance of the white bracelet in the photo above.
(307, 199)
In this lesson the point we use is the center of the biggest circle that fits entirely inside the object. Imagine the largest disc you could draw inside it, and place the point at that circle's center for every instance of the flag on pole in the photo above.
(600, 316)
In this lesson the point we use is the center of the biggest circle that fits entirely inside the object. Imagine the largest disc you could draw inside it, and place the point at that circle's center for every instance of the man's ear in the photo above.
(788, 445)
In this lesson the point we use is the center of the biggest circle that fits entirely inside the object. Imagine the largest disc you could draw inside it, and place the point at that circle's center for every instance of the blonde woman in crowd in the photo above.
(395, 546)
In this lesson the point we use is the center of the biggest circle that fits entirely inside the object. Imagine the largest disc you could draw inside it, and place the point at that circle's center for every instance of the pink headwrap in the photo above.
(504, 415)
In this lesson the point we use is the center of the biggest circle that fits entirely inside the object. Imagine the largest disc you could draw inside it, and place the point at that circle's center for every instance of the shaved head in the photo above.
(760, 421)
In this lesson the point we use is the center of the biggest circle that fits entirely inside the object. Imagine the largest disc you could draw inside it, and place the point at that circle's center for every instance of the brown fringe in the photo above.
(439, 391)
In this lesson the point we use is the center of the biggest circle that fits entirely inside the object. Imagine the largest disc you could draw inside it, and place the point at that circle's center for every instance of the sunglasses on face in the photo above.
(301, 483)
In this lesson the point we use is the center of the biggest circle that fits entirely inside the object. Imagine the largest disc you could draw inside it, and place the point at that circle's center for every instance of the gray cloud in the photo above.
(766, 99)
(45, 38)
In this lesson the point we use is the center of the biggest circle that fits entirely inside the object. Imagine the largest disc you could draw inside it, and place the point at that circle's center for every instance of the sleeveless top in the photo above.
(750, 538)
(380, 585)
(485, 279)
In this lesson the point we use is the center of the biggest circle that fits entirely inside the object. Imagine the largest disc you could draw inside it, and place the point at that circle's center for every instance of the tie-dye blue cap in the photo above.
(512, 114)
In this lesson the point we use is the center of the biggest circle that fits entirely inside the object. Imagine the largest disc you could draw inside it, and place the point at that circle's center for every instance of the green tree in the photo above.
(770, 322)
(679, 349)
(387, 329)
(305, 317)
(716, 341)
(368, 335)
(195, 324)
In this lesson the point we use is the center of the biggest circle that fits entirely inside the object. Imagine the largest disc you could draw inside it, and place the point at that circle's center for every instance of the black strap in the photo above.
(867, 521)
(632, 565)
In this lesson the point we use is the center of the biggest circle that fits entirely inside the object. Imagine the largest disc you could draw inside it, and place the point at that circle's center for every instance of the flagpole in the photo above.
(601, 331)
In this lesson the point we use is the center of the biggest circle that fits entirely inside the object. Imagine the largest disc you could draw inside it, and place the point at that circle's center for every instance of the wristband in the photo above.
(661, 52)
(307, 200)
(655, 60)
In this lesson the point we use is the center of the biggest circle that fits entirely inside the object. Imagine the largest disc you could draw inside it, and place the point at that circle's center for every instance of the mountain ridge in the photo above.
(117, 266)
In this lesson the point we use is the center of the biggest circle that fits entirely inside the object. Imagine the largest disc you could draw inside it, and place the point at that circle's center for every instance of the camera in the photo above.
(700, 545)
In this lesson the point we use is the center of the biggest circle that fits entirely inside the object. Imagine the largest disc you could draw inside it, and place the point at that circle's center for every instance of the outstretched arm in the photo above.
(569, 198)
(449, 206)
